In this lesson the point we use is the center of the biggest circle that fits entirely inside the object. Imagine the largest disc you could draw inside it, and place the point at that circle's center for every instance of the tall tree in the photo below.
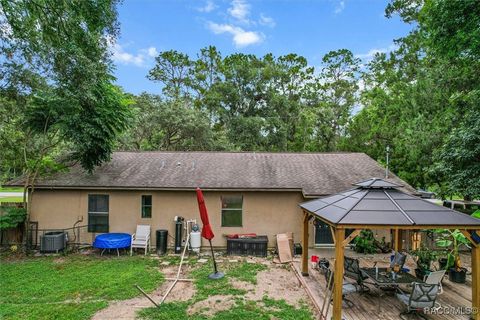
(422, 98)
(66, 44)
(56, 69)
(338, 87)
(174, 70)
(161, 124)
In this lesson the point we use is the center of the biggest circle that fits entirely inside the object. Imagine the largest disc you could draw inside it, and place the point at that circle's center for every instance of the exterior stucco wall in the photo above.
(264, 213)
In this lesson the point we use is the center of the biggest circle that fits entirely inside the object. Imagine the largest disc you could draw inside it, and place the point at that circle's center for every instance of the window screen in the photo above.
(98, 213)
(232, 211)
(146, 206)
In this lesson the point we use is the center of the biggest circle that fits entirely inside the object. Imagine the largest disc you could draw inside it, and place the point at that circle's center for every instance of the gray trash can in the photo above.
(162, 237)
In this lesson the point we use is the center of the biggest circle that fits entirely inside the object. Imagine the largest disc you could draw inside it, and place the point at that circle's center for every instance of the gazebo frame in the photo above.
(340, 241)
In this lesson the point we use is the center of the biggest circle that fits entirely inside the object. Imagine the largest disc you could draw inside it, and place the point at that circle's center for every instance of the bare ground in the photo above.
(126, 309)
(277, 282)
(212, 305)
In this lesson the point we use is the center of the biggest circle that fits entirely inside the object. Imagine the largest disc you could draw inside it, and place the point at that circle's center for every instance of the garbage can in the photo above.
(162, 237)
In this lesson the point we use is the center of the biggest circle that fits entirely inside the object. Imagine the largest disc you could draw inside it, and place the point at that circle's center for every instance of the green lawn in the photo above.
(242, 309)
(11, 199)
(76, 286)
(71, 287)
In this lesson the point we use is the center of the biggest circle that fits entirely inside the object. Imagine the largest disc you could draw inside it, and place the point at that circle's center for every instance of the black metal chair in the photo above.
(422, 296)
(353, 271)
(347, 288)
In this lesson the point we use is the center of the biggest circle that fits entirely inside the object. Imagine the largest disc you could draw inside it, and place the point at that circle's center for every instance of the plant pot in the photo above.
(457, 276)
(442, 262)
(421, 273)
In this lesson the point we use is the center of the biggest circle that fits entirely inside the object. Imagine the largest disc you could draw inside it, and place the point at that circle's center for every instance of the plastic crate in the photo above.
(248, 247)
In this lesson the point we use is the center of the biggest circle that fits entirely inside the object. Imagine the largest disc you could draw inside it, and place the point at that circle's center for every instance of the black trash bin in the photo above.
(162, 237)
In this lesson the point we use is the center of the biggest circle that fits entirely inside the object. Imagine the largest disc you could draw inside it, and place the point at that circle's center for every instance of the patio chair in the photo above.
(422, 296)
(141, 238)
(347, 288)
(435, 278)
(399, 259)
(353, 271)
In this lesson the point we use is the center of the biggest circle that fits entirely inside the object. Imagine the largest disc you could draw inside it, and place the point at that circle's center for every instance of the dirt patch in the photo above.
(59, 260)
(126, 309)
(277, 282)
(212, 305)
(242, 285)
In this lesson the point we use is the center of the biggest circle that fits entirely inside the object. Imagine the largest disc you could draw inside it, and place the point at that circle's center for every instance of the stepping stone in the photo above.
(165, 263)
(233, 260)
(202, 260)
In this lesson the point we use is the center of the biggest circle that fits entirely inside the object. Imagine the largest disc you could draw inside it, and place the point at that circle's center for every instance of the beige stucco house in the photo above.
(245, 192)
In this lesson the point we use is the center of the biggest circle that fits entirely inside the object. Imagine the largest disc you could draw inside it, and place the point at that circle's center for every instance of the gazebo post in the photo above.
(305, 244)
(338, 273)
(397, 240)
(476, 278)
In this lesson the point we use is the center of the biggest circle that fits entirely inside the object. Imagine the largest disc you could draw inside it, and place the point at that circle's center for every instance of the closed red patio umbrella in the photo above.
(207, 232)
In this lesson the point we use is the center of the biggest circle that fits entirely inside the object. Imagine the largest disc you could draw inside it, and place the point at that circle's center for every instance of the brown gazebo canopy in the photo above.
(380, 204)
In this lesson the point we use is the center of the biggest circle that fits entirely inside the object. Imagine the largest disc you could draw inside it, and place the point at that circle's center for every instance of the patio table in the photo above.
(386, 280)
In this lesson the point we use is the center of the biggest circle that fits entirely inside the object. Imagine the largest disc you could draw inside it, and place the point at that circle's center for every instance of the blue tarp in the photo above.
(112, 241)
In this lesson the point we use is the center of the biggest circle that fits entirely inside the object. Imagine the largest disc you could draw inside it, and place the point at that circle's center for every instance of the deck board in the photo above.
(378, 305)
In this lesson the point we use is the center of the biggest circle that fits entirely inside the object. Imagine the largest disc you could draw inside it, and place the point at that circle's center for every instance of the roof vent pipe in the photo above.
(386, 168)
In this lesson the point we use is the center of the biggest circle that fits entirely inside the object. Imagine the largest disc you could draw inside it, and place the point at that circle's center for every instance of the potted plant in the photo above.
(442, 262)
(424, 257)
(364, 242)
(451, 242)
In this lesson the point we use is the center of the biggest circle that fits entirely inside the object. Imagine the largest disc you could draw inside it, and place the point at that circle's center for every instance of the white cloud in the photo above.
(208, 7)
(240, 10)
(152, 52)
(237, 19)
(372, 52)
(241, 37)
(266, 21)
(339, 7)
(139, 59)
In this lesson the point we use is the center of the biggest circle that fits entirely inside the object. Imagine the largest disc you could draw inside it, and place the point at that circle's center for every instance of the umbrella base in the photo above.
(216, 275)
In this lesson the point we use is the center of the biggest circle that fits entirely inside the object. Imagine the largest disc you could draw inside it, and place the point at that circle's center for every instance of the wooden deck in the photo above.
(377, 304)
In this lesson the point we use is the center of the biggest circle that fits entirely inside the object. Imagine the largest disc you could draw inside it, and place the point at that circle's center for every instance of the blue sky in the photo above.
(309, 28)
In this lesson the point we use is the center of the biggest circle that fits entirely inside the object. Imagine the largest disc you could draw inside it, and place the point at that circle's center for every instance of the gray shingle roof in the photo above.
(313, 173)
(380, 203)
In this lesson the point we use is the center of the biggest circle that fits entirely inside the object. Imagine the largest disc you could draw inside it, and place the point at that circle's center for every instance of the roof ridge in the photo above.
(353, 206)
(237, 152)
(398, 206)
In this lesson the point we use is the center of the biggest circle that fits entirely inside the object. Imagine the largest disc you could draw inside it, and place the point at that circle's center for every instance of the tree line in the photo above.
(245, 102)
(59, 102)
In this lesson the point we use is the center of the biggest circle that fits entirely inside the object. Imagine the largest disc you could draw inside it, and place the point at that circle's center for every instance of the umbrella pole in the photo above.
(213, 257)
(216, 274)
